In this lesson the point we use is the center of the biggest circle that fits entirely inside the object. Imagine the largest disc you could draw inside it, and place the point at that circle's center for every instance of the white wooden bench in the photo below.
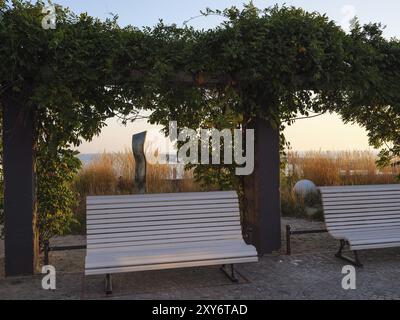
(164, 231)
(363, 217)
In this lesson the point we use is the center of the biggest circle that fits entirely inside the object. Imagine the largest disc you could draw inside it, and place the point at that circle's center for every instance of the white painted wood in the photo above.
(173, 241)
(194, 244)
(111, 261)
(164, 253)
(171, 224)
(367, 217)
(167, 210)
(200, 263)
(223, 212)
(352, 203)
(166, 205)
(364, 222)
(375, 246)
(122, 258)
(359, 214)
(362, 195)
(370, 234)
(150, 232)
(168, 196)
(157, 234)
(166, 234)
(378, 207)
(346, 211)
(363, 188)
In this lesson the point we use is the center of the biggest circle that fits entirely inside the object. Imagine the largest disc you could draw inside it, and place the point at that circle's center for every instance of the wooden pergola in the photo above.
(262, 225)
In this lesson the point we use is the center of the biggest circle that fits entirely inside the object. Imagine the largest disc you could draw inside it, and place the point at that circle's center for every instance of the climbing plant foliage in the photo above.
(274, 63)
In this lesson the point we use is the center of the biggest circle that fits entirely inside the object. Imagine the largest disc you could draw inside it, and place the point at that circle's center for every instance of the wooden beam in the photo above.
(262, 218)
(197, 79)
(21, 236)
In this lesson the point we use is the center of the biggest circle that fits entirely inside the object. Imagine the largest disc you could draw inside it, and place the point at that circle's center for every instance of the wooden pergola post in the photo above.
(21, 236)
(262, 219)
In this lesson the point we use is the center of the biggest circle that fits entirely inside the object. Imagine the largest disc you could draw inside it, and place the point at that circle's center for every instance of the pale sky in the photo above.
(326, 132)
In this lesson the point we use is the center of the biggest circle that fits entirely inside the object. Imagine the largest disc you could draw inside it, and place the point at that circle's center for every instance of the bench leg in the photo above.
(355, 262)
(46, 251)
(230, 274)
(108, 284)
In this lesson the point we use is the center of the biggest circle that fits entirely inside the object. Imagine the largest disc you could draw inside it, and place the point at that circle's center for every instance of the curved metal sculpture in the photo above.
(140, 161)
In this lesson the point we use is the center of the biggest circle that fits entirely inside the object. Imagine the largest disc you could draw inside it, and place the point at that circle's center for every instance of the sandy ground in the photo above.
(311, 272)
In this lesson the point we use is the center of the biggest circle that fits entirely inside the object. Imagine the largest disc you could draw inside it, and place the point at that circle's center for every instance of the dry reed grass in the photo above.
(340, 168)
(330, 169)
(113, 173)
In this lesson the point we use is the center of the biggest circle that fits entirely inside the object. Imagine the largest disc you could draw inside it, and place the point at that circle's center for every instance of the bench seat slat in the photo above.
(177, 248)
(357, 242)
(174, 265)
(158, 257)
(159, 246)
(169, 241)
(136, 232)
(371, 235)
(376, 240)
(375, 246)
(166, 237)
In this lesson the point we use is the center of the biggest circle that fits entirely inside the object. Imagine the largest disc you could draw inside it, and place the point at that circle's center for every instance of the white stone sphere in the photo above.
(305, 187)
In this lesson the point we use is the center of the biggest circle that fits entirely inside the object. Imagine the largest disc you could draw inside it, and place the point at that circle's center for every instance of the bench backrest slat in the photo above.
(149, 219)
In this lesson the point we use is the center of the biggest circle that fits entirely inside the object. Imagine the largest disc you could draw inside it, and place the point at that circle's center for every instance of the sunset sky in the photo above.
(326, 132)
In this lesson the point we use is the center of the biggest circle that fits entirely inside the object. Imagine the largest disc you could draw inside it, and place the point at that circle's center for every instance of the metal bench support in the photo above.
(108, 285)
(355, 262)
(290, 231)
(230, 274)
